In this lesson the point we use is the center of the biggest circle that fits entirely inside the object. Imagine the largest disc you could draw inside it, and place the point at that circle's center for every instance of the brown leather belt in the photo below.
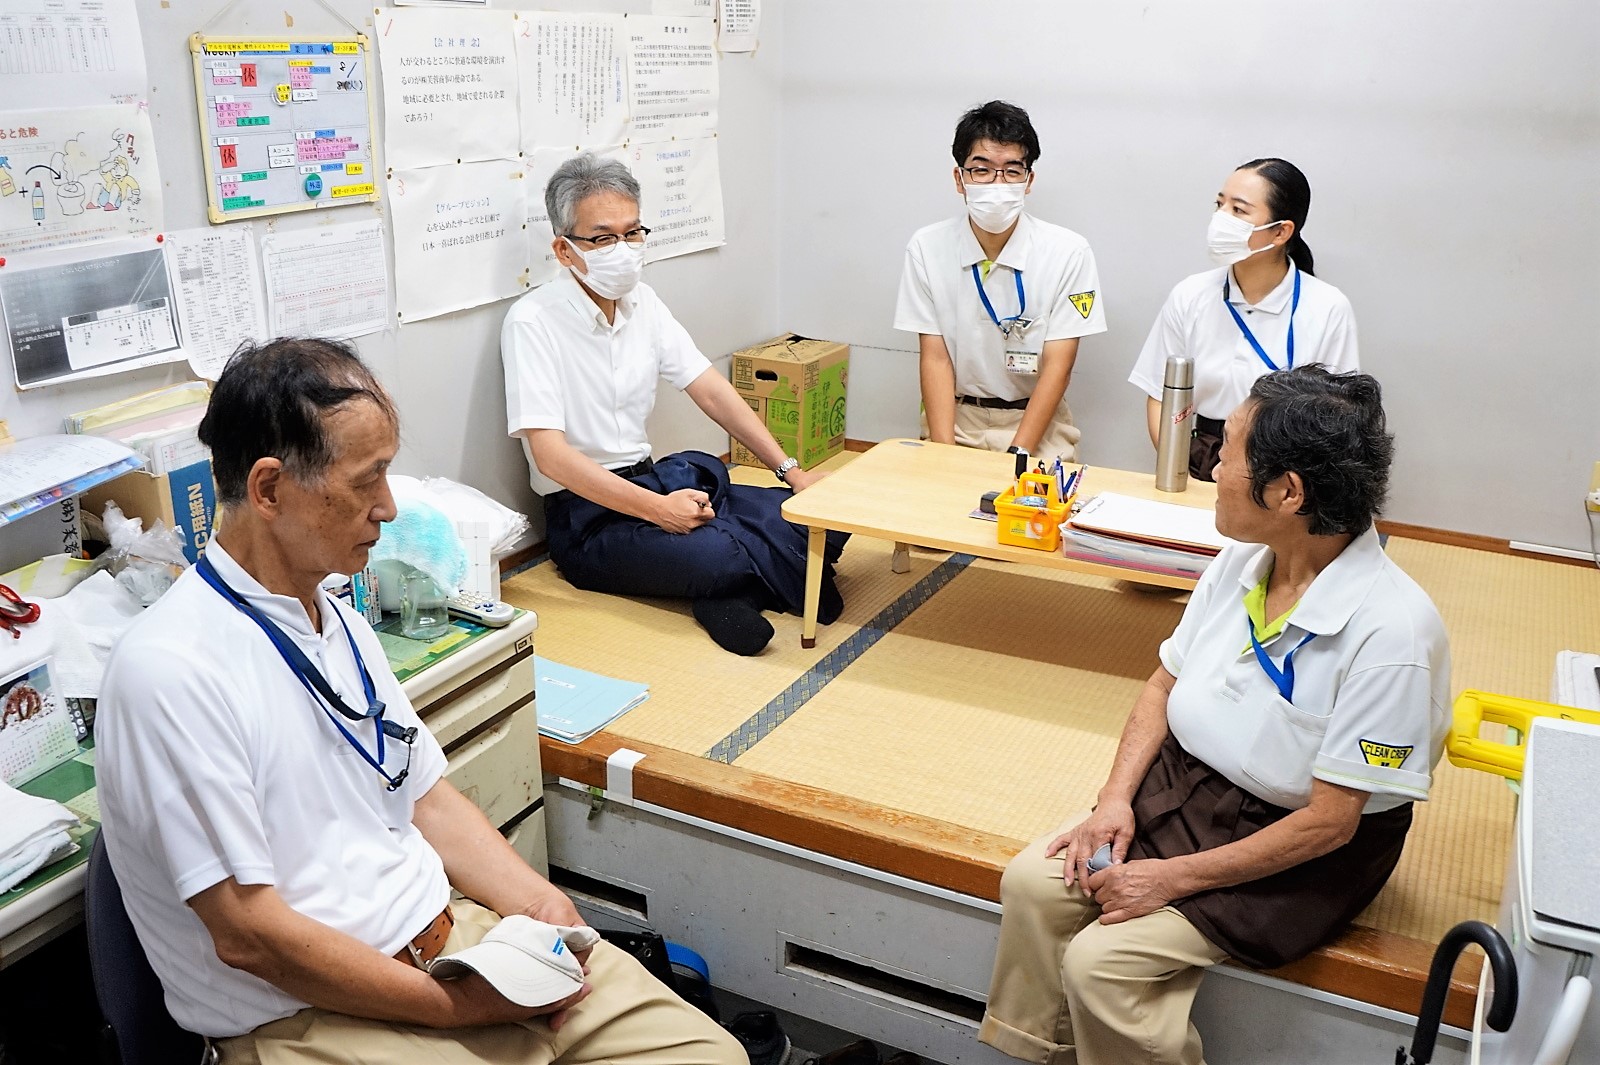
(428, 943)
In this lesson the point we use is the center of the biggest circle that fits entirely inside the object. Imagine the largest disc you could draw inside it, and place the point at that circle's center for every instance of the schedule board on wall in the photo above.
(285, 124)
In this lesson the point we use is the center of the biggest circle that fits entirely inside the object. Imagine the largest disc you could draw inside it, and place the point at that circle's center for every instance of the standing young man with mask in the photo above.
(999, 300)
(582, 356)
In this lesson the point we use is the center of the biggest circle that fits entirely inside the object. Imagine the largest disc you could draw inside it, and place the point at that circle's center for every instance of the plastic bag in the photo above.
(145, 562)
(464, 503)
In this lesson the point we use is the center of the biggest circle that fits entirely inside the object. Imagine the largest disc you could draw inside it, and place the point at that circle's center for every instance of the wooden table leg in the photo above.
(815, 543)
(901, 563)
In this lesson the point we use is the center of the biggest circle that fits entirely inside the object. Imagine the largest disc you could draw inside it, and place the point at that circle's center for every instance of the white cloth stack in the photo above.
(33, 833)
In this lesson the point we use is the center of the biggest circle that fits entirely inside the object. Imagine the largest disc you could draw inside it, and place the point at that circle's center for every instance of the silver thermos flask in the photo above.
(1177, 425)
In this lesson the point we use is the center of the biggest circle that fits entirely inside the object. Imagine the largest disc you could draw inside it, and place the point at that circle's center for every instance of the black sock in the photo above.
(831, 603)
(735, 624)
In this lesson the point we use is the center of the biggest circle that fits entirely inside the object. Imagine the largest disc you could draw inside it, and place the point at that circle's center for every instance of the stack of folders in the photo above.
(162, 426)
(41, 471)
(1143, 534)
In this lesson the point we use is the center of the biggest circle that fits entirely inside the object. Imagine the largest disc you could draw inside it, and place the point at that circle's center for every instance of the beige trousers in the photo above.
(1068, 989)
(993, 430)
(630, 1018)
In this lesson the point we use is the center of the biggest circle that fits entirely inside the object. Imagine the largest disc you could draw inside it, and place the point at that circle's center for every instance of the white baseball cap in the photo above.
(529, 962)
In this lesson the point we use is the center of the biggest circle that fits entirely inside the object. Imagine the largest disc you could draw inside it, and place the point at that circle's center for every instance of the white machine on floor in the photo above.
(1577, 680)
(1550, 909)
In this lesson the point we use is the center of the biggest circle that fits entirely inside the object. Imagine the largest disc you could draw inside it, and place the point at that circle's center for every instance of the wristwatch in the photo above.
(783, 468)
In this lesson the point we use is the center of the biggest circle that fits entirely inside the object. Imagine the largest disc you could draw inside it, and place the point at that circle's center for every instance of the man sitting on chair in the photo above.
(276, 813)
(582, 355)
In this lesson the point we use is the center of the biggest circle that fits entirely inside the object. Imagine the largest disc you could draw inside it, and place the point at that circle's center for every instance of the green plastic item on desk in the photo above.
(408, 657)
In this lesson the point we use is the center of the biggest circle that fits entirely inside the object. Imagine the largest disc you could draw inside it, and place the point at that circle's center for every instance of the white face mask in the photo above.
(1228, 238)
(613, 272)
(995, 208)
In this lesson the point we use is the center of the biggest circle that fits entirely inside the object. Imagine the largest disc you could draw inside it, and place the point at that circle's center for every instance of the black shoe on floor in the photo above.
(735, 624)
(762, 1036)
(861, 1052)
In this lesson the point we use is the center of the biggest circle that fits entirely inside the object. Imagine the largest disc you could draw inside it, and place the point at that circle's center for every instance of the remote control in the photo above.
(481, 609)
(1100, 859)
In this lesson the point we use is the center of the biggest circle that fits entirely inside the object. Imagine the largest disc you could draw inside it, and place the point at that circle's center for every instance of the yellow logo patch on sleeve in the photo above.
(1385, 754)
(1084, 301)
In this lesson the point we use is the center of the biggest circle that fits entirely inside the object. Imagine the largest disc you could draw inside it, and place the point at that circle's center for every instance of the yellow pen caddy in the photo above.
(1038, 527)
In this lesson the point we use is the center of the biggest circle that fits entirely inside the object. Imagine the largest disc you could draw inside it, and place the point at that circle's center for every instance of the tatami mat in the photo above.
(698, 692)
(1507, 616)
(1018, 690)
(997, 704)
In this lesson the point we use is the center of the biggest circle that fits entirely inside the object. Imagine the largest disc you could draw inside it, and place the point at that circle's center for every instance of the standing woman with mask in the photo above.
(998, 300)
(1260, 310)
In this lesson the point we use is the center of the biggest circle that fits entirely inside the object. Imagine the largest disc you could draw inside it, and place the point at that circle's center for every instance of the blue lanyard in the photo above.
(1004, 325)
(315, 684)
(1283, 678)
(1251, 337)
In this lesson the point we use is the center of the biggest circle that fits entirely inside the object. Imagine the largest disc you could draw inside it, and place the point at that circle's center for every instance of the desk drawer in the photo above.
(498, 768)
(461, 711)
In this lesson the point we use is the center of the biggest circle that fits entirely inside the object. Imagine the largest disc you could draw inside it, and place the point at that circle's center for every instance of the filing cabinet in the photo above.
(479, 705)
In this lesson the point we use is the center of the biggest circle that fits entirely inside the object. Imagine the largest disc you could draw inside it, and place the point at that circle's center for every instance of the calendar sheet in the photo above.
(36, 731)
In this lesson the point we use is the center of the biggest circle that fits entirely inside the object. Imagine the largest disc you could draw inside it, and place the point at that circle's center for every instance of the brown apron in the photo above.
(1205, 447)
(1183, 806)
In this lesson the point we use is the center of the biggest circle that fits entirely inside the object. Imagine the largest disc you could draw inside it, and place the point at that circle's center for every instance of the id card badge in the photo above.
(1021, 355)
(1020, 361)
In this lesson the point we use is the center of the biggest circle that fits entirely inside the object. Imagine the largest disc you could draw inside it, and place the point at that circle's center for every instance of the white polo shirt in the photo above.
(938, 296)
(1194, 323)
(213, 762)
(1371, 690)
(568, 368)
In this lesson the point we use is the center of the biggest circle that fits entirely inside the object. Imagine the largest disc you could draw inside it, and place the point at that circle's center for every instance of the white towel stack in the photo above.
(33, 833)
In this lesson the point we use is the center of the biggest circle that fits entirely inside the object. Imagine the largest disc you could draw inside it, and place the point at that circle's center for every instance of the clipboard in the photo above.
(1148, 521)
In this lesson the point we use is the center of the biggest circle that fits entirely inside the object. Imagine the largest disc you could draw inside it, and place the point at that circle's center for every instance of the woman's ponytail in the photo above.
(1300, 253)
(1289, 201)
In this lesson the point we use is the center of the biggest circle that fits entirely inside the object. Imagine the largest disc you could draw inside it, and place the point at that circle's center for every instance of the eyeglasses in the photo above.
(983, 175)
(15, 611)
(606, 240)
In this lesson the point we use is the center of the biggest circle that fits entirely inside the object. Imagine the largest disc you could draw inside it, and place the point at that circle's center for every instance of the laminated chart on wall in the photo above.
(460, 237)
(70, 53)
(449, 86)
(285, 124)
(538, 166)
(330, 281)
(86, 312)
(217, 280)
(76, 175)
(574, 79)
(672, 77)
(682, 186)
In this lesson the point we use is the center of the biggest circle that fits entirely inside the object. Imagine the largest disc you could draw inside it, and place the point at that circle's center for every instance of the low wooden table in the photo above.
(918, 492)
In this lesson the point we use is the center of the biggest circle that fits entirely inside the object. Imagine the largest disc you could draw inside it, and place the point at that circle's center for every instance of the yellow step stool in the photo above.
(1473, 709)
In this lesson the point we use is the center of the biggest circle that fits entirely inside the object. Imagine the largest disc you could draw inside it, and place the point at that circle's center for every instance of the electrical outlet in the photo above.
(1592, 500)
